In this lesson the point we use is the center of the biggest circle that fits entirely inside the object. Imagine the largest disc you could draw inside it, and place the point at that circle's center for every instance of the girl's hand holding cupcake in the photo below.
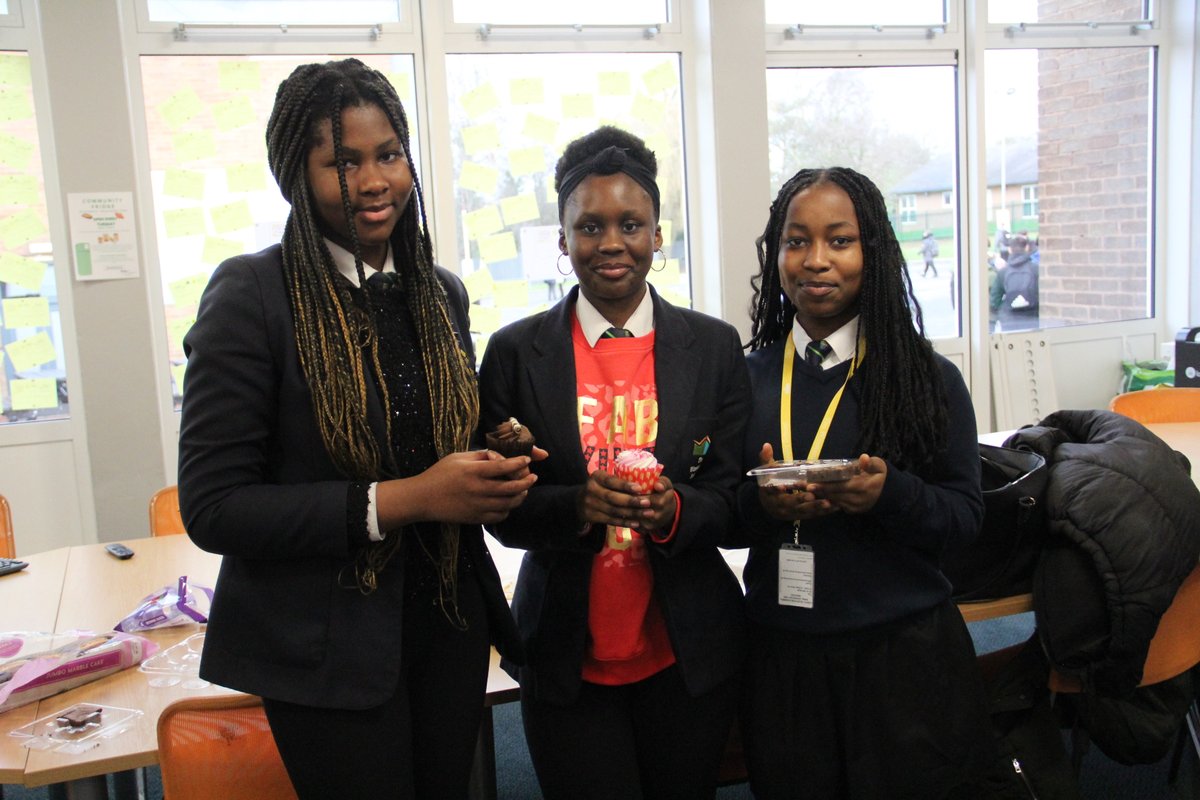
(634, 495)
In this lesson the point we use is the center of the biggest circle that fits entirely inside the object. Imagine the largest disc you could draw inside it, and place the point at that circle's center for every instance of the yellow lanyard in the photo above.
(785, 400)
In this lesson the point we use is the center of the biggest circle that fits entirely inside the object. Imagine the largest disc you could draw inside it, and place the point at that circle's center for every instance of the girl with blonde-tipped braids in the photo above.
(325, 452)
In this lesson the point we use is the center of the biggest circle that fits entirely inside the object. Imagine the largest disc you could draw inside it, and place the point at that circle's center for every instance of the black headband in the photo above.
(608, 161)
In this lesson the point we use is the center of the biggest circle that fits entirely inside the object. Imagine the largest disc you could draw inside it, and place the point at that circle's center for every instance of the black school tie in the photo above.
(816, 351)
(616, 333)
(380, 281)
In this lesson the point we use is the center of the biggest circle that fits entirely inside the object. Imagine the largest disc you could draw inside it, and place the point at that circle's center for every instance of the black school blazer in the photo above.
(703, 389)
(257, 486)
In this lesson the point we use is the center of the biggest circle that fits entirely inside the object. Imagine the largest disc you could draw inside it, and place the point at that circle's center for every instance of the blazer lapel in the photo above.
(552, 376)
(677, 378)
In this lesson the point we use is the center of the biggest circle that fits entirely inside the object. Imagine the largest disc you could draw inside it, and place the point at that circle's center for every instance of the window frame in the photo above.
(967, 36)
(17, 36)
(1029, 201)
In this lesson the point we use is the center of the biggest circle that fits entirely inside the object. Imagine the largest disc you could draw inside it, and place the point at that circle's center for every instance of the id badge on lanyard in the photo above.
(797, 562)
(797, 570)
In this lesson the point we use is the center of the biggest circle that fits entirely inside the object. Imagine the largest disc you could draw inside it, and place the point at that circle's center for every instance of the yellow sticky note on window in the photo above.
(402, 83)
(485, 319)
(541, 129)
(478, 178)
(661, 78)
(526, 91)
(187, 291)
(647, 110)
(234, 113)
(15, 104)
(26, 312)
(526, 161)
(14, 69)
(480, 138)
(22, 227)
(665, 274)
(178, 328)
(498, 247)
(240, 76)
(32, 393)
(676, 298)
(194, 145)
(511, 294)
(231, 216)
(15, 152)
(178, 109)
(248, 176)
(18, 190)
(578, 106)
(217, 250)
(664, 225)
(520, 208)
(482, 221)
(187, 183)
(479, 284)
(31, 352)
(21, 271)
(479, 100)
(615, 84)
(183, 222)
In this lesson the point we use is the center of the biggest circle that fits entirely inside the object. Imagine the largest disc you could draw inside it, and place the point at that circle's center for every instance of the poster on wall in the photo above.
(103, 240)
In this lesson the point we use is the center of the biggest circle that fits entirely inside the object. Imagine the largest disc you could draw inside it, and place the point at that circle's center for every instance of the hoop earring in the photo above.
(661, 266)
(558, 266)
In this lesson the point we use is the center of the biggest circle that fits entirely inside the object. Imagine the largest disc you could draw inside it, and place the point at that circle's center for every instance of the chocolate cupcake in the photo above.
(510, 438)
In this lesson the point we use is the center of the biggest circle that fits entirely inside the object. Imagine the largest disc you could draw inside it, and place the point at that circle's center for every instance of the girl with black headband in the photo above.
(324, 453)
(631, 617)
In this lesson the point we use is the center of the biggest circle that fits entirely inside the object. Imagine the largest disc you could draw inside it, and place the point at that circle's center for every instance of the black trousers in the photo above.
(889, 713)
(648, 740)
(418, 744)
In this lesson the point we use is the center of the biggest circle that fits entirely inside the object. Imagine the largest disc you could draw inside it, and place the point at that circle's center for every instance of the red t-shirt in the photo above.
(617, 407)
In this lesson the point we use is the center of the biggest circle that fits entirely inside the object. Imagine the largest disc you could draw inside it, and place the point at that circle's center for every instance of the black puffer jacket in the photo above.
(1124, 520)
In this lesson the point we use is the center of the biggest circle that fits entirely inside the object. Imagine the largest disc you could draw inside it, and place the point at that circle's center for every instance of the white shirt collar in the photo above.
(343, 259)
(640, 323)
(843, 341)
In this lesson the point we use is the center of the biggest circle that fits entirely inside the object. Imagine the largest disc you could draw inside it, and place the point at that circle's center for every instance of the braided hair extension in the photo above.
(591, 144)
(903, 407)
(335, 326)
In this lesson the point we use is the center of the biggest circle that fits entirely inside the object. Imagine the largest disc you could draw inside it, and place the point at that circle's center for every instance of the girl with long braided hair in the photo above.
(325, 451)
(861, 680)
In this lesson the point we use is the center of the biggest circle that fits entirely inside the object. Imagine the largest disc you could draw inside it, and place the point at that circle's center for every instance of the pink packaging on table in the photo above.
(181, 604)
(38, 665)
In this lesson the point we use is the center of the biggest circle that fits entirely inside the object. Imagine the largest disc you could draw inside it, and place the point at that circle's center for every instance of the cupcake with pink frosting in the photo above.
(639, 467)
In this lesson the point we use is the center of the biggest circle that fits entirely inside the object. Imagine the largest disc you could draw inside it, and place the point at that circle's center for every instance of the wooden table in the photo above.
(28, 602)
(85, 588)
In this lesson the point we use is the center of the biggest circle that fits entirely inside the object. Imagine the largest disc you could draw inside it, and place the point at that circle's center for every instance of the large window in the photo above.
(214, 196)
(1069, 134)
(561, 12)
(855, 12)
(292, 12)
(511, 117)
(33, 382)
(897, 126)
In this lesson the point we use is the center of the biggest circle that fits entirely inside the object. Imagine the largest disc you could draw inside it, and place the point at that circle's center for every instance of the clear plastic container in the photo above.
(793, 473)
(76, 729)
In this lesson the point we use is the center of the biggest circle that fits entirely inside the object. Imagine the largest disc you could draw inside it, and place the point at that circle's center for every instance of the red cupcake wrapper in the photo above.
(642, 477)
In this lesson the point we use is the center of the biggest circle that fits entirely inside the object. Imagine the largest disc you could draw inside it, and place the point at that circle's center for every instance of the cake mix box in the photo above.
(37, 665)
